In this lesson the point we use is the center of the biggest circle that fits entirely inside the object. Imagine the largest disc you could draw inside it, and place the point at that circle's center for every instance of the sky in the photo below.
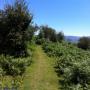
(70, 16)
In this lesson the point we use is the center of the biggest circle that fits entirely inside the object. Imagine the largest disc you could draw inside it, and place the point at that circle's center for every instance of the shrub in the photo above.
(84, 43)
(14, 66)
(72, 65)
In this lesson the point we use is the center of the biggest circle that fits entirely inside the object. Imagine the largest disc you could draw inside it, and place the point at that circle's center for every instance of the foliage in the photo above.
(49, 34)
(72, 63)
(31, 31)
(40, 41)
(60, 36)
(14, 66)
(14, 21)
(12, 70)
(84, 43)
(15, 30)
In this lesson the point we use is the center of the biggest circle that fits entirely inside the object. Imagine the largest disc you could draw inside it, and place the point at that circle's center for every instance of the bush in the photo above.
(14, 21)
(40, 41)
(14, 66)
(84, 43)
(72, 65)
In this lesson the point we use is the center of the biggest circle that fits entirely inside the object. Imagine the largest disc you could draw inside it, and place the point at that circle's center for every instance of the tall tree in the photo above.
(14, 21)
(48, 33)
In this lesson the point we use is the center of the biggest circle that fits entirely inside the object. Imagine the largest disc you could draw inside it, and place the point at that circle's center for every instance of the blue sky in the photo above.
(70, 16)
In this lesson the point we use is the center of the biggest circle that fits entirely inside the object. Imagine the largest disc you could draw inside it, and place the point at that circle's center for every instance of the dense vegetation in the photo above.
(14, 22)
(84, 43)
(16, 30)
(73, 65)
(47, 33)
(17, 35)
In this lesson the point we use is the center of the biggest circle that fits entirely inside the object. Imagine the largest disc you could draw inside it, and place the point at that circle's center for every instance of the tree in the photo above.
(84, 43)
(14, 21)
(48, 33)
(60, 36)
(31, 31)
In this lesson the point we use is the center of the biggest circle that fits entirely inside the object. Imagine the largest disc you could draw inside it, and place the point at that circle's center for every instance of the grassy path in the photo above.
(41, 74)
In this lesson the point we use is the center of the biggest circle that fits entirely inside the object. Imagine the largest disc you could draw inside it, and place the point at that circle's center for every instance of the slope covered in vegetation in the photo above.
(72, 64)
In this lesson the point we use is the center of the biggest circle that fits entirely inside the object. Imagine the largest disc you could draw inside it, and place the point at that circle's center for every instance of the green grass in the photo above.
(41, 75)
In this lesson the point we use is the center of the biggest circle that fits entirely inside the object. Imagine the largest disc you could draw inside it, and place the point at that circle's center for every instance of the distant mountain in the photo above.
(73, 39)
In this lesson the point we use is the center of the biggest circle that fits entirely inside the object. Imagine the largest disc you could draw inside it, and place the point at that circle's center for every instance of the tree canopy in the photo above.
(14, 21)
(84, 43)
(50, 34)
